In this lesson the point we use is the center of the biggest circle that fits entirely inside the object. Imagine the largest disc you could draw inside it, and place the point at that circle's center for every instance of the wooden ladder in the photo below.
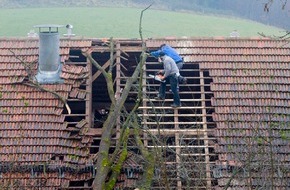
(183, 132)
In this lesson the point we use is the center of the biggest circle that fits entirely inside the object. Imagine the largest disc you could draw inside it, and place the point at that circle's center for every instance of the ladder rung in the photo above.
(175, 123)
(173, 115)
(169, 107)
(182, 100)
(179, 146)
(180, 131)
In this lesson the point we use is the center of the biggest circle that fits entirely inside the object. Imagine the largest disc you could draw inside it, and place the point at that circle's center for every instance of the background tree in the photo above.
(109, 165)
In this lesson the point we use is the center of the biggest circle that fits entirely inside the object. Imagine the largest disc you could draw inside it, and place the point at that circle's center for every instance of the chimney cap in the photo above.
(49, 27)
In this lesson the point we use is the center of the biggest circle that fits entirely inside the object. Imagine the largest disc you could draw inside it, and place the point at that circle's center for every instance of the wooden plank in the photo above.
(71, 123)
(75, 115)
(76, 100)
(124, 48)
(173, 115)
(178, 150)
(199, 154)
(89, 96)
(183, 70)
(168, 107)
(173, 123)
(193, 162)
(175, 146)
(195, 132)
(75, 63)
(206, 150)
(182, 92)
(170, 100)
(147, 77)
(94, 131)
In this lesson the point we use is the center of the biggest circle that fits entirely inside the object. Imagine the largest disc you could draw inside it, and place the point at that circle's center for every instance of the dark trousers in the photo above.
(173, 80)
(179, 66)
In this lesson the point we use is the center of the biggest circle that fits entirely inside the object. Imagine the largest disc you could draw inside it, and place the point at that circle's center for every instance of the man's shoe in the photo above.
(158, 98)
(175, 105)
(182, 80)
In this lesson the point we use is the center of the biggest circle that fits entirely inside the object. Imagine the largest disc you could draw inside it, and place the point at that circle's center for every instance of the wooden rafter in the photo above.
(106, 65)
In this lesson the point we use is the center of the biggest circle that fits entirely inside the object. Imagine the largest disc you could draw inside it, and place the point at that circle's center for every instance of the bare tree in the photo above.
(109, 166)
(268, 4)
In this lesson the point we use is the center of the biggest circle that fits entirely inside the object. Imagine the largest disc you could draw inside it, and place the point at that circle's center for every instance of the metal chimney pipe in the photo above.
(69, 33)
(49, 67)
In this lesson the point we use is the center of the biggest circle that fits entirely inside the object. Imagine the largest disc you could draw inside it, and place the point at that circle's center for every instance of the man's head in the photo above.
(162, 45)
(161, 56)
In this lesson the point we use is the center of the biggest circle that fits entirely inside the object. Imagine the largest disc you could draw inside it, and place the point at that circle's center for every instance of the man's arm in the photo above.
(155, 53)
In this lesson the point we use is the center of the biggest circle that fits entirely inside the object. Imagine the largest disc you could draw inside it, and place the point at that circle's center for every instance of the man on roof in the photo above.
(170, 75)
(171, 52)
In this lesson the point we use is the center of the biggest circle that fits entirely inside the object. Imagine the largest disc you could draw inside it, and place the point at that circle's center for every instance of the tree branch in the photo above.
(36, 85)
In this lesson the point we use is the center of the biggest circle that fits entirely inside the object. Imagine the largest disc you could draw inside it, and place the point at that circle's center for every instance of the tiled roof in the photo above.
(251, 102)
(32, 130)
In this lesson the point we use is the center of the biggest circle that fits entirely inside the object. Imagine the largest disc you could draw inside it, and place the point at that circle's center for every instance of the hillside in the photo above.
(124, 23)
(278, 14)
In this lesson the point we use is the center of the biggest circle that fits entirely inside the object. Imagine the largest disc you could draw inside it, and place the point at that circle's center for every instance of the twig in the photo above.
(140, 22)
(36, 85)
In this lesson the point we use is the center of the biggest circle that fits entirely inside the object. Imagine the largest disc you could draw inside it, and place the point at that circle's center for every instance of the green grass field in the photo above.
(124, 23)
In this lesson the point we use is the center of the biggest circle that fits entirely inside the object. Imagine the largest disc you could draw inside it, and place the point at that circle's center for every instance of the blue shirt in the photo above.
(169, 51)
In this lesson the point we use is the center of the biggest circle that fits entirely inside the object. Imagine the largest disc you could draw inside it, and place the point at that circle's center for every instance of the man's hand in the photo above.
(159, 60)
(161, 77)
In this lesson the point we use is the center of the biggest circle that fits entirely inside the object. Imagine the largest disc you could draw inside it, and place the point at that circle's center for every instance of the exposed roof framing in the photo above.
(236, 103)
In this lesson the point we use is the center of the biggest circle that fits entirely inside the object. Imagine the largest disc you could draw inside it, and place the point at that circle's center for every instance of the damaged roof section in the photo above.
(34, 134)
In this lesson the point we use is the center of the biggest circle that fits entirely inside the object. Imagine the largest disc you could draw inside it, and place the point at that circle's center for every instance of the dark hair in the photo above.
(162, 45)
